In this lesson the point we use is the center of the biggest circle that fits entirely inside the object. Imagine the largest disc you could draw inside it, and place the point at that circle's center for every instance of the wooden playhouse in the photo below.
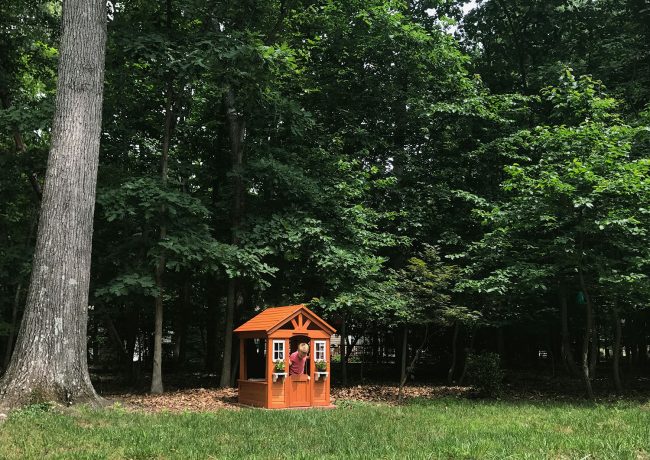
(266, 341)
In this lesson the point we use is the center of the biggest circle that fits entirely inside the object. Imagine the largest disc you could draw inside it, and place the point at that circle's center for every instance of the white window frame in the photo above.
(320, 355)
(279, 352)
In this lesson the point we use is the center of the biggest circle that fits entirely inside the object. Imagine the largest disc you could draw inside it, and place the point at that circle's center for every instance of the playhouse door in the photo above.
(299, 390)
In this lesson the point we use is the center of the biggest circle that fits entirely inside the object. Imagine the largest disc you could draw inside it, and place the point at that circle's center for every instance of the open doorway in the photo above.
(294, 342)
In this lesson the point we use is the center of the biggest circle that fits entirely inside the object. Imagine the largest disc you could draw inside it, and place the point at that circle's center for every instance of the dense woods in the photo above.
(438, 179)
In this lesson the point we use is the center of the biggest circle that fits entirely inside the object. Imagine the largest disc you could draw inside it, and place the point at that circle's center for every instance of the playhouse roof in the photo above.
(273, 318)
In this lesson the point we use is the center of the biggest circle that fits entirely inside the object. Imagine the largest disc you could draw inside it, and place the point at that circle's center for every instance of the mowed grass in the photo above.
(446, 428)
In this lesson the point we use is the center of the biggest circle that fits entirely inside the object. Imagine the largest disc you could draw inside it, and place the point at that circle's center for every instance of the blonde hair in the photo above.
(304, 347)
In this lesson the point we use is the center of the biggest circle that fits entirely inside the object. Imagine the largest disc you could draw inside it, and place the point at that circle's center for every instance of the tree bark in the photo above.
(50, 359)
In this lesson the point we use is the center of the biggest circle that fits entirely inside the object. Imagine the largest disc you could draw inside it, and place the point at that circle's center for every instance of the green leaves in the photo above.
(578, 202)
(129, 284)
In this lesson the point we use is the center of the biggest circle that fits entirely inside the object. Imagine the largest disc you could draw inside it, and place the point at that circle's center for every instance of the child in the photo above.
(298, 359)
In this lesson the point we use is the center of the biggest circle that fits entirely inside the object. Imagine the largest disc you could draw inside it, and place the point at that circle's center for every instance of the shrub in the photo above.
(485, 373)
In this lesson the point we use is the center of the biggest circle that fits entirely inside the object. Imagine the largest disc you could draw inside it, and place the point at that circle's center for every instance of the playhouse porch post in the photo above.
(242, 359)
(269, 372)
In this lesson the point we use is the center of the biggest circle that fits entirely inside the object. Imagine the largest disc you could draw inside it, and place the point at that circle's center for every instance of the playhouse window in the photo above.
(278, 350)
(319, 350)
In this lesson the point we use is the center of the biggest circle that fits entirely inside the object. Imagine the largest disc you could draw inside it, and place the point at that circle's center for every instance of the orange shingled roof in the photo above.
(274, 317)
(269, 318)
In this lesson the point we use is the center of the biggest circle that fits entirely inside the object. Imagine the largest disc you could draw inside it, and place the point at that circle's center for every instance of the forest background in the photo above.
(435, 178)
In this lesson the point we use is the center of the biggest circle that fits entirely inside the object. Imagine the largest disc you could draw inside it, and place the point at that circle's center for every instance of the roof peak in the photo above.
(273, 317)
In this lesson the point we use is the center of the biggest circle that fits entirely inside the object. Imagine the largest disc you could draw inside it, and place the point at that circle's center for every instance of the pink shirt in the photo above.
(297, 363)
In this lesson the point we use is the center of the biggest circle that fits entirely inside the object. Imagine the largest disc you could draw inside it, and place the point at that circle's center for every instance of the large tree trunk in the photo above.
(49, 361)
(237, 130)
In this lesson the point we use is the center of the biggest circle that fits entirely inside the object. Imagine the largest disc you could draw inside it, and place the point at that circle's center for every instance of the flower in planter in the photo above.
(279, 366)
(321, 366)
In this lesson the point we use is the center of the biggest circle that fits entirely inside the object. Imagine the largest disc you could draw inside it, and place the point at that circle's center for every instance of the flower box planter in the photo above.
(321, 375)
(276, 375)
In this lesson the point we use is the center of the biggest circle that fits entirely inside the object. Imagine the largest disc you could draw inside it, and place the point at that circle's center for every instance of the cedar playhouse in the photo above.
(269, 338)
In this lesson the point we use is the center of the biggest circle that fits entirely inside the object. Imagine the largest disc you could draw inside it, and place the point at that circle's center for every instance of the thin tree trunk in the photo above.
(237, 132)
(403, 376)
(587, 336)
(125, 360)
(227, 343)
(16, 304)
(214, 297)
(235, 368)
(156, 377)
(375, 347)
(12, 326)
(594, 353)
(131, 342)
(616, 351)
(454, 354)
(182, 321)
(472, 339)
(501, 348)
(50, 358)
(567, 352)
(408, 370)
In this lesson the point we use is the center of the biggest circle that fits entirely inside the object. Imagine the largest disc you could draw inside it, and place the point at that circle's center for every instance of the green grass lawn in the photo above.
(445, 428)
